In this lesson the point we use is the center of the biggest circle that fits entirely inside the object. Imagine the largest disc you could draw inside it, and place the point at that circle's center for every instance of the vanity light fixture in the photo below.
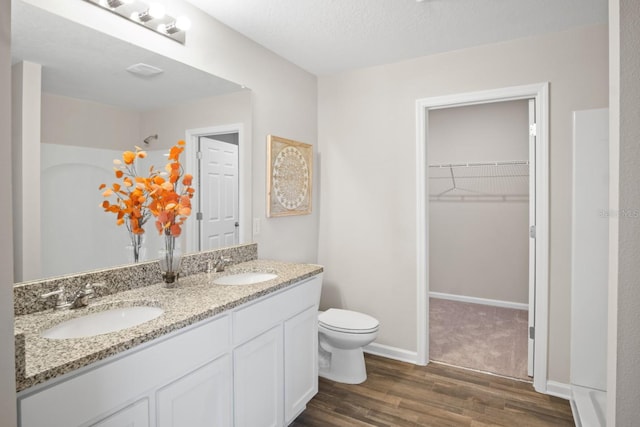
(155, 11)
(182, 23)
(149, 15)
(114, 3)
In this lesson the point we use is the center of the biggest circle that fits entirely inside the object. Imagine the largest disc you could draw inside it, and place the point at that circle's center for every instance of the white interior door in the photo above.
(532, 234)
(219, 194)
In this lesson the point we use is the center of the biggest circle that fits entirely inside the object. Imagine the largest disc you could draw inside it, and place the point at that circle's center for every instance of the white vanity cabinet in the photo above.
(275, 360)
(255, 365)
(136, 415)
(300, 352)
(200, 399)
(258, 381)
(129, 390)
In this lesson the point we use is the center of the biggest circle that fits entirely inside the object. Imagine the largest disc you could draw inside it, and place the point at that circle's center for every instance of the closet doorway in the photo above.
(479, 187)
(495, 182)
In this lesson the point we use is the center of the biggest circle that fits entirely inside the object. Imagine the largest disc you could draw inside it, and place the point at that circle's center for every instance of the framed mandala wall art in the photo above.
(289, 177)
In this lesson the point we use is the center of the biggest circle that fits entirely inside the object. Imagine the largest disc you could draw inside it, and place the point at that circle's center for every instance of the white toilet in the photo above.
(342, 334)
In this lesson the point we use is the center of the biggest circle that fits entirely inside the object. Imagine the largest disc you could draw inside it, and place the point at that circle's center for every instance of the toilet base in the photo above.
(346, 366)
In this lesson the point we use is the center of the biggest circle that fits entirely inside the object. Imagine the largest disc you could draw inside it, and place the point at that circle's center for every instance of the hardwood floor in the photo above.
(402, 394)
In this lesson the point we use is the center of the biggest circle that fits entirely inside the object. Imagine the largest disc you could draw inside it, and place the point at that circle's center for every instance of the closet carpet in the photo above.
(481, 337)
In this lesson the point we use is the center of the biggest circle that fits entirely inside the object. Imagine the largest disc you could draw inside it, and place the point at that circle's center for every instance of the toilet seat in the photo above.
(346, 321)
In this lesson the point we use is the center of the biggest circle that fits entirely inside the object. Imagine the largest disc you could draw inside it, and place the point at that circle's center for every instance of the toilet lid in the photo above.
(347, 321)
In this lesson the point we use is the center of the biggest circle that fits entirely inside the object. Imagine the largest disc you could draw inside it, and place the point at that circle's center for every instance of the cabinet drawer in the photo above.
(268, 311)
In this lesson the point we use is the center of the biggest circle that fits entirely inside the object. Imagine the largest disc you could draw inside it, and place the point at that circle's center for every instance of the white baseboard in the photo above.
(588, 406)
(484, 301)
(558, 389)
(394, 353)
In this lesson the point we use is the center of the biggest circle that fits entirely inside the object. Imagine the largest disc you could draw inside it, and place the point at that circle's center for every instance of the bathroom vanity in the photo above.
(243, 355)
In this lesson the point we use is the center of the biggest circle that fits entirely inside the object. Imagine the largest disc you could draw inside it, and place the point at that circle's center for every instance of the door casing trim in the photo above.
(540, 92)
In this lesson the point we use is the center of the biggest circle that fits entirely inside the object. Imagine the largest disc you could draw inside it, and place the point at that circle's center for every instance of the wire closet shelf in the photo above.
(483, 182)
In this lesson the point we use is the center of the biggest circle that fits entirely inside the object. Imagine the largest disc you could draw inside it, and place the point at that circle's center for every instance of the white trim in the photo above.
(585, 406)
(244, 165)
(483, 301)
(422, 231)
(540, 92)
(558, 389)
(575, 413)
(392, 353)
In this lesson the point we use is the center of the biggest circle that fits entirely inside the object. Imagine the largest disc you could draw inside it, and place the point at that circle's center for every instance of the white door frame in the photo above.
(540, 92)
(244, 170)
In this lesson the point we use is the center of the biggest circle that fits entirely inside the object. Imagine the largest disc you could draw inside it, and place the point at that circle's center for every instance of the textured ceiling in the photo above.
(329, 36)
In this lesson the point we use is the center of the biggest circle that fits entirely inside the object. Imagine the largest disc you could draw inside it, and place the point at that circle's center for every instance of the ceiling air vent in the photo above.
(144, 70)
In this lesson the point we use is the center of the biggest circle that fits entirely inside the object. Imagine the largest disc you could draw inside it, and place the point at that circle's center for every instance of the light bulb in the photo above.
(156, 10)
(183, 23)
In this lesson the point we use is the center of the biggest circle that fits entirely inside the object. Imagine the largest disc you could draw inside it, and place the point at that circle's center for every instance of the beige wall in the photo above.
(367, 138)
(284, 102)
(624, 287)
(71, 121)
(77, 122)
(479, 248)
(171, 123)
(7, 369)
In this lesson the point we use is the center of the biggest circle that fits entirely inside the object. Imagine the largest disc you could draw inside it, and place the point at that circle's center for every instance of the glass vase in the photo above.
(135, 248)
(170, 257)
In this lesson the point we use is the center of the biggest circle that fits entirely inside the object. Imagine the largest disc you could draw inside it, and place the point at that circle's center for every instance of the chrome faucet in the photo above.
(80, 298)
(61, 301)
(217, 265)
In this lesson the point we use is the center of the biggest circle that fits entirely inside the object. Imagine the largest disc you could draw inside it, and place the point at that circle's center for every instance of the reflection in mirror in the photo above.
(91, 109)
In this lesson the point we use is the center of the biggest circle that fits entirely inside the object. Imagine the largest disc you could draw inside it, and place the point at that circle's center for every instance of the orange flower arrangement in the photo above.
(168, 204)
(131, 202)
(137, 198)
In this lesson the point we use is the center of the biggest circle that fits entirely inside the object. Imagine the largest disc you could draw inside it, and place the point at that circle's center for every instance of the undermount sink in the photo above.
(102, 322)
(246, 278)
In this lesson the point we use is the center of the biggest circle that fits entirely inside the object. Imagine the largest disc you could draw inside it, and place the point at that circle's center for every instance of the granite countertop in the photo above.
(196, 298)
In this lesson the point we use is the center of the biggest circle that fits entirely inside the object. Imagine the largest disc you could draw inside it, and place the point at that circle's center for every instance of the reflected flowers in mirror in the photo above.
(128, 199)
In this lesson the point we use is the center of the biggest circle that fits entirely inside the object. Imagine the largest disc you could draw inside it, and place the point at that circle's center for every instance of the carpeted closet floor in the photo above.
(485, 338)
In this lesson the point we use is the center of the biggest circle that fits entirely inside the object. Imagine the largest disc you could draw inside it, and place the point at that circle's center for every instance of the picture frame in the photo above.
(289, 177)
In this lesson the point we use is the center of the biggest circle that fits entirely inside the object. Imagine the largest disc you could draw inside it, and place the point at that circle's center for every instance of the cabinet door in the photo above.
(136, 415)
(201, 398)
(300, 362)
(258, 381)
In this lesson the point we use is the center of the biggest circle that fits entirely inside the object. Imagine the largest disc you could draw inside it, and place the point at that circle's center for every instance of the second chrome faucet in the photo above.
(217, 265)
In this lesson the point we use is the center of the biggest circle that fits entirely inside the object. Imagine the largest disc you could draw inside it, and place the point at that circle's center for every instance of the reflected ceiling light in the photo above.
(149, 15)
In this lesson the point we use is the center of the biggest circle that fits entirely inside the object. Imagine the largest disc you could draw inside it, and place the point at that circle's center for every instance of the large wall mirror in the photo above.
(91, 110)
